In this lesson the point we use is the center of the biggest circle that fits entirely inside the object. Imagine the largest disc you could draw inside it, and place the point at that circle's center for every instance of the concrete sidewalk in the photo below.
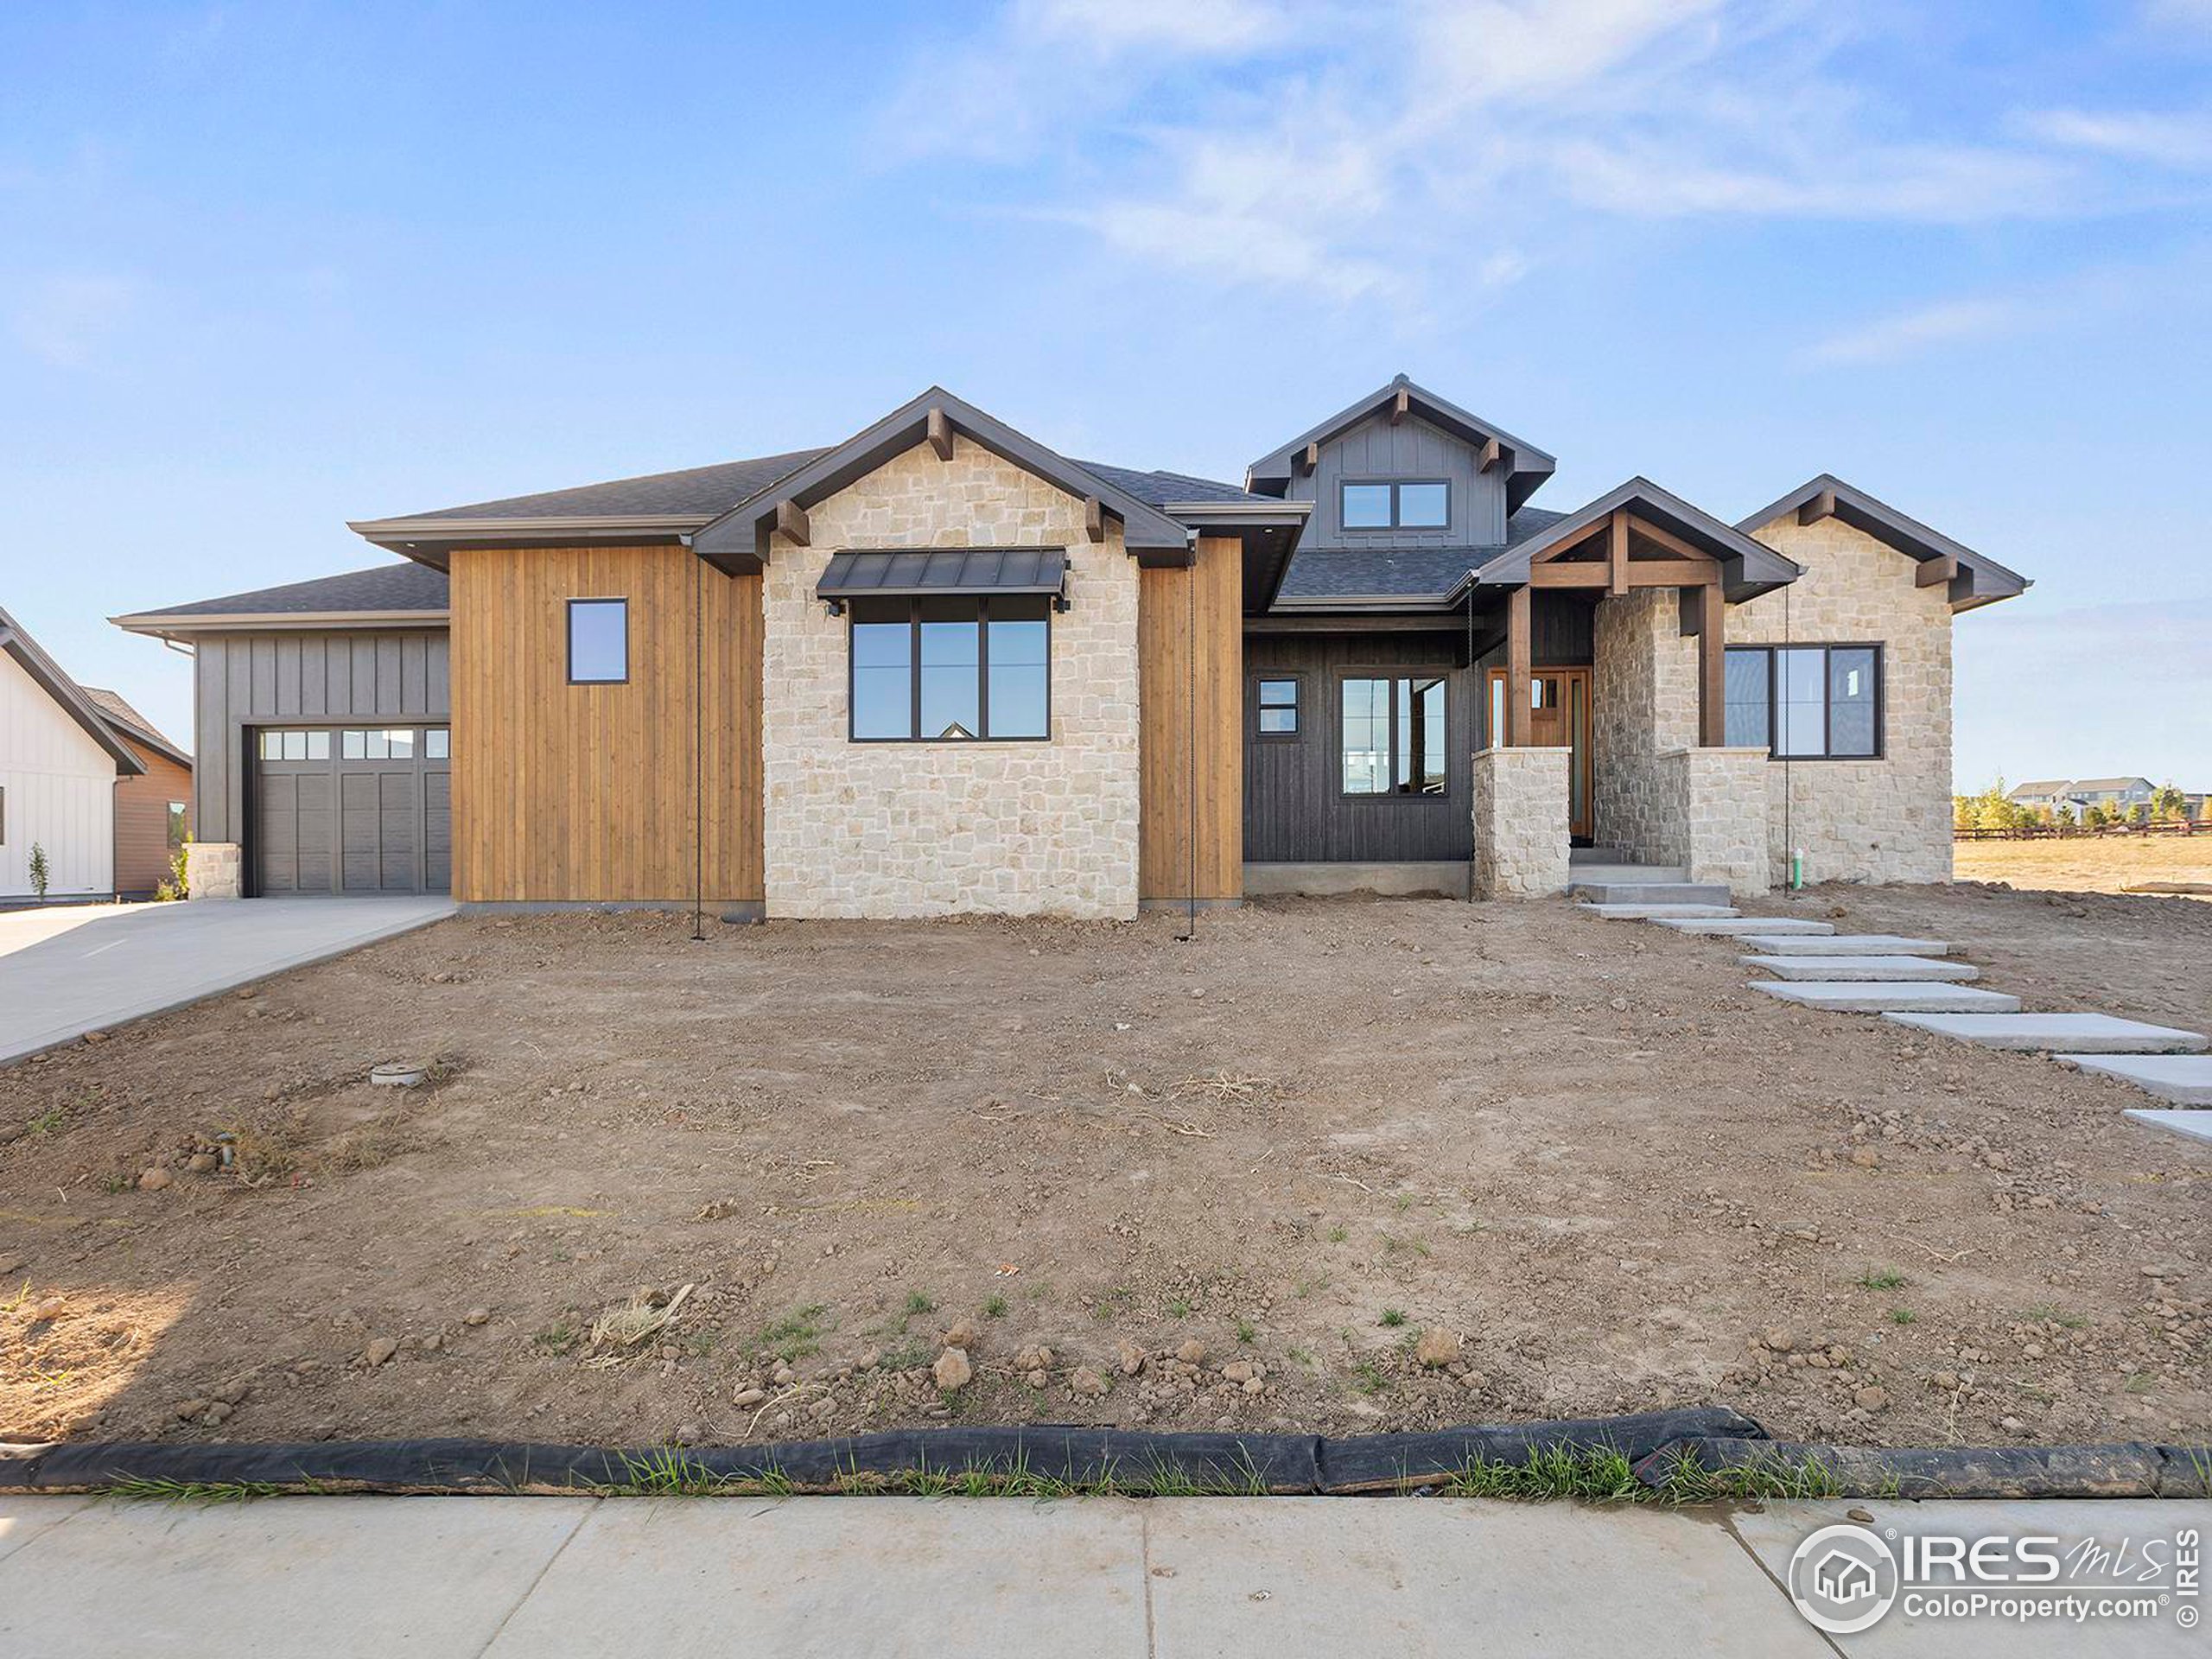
(66, 971)
(552, 1578)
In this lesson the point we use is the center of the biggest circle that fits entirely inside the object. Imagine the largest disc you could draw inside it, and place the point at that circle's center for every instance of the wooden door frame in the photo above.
(1578, 757)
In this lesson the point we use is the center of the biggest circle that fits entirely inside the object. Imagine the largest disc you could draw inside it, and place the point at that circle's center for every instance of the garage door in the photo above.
(353, 809)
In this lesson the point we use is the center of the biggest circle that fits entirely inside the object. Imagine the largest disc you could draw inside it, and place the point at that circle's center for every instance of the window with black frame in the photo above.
(1276, 707)
(1392, 739)
(955, 669)
(1805, 702)
(1394, 503)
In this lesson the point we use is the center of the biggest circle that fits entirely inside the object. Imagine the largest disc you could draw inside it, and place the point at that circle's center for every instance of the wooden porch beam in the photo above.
(1617, 556)
(941, 434)
(1712, 669)
(1820, 507)
(1518, 607)
(1398, 406)
(1667, 539)
(1934, 573)
(1310, 459)
(1642, 573)
(1094, 519)
(1493, 453)
(791, 519)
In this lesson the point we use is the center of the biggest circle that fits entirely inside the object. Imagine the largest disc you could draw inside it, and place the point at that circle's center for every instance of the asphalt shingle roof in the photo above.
(1400, 573)
(1158, 489)
(403, 585)
(126, 719)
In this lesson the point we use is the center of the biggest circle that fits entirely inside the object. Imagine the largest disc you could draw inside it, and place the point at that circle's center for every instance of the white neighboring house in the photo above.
(59, 763)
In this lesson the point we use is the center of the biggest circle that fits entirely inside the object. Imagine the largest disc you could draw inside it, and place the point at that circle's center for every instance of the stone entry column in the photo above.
(1520, 811)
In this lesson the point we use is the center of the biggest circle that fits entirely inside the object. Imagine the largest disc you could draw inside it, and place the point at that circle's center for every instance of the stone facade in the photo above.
(1887, 819)
(213, 870)
(1710, 800)
(899, 830)
(1643, 704)
(1520, 811)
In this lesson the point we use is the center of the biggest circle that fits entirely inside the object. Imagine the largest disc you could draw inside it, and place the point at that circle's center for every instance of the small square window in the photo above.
(1278, 707)
(376, 745)
(272, 746)
(403, 744)
(295, 746)
(599, 641)
(317, 746)
(436, 743)
(353, 746)
(1367, 506)
(1422, 506)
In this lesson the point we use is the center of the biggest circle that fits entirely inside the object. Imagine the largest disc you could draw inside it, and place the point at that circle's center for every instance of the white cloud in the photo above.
(2178, 14)
(1909, 332)
(66, 320)
(2174, 139)
(1352, 150)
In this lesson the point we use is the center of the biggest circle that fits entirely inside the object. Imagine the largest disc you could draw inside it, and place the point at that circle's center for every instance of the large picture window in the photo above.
(1396, 504)
(1805, 702)
(1392, 738)
(951, 671)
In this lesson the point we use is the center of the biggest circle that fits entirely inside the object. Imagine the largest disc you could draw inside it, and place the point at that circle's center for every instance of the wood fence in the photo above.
(2076, 832)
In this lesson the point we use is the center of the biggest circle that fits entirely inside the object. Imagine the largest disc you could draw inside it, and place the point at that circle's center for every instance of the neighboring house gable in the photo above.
(59, 763)
(152, 810)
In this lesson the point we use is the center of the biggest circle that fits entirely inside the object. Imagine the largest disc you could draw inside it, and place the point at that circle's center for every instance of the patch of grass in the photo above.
(2139, 1382)
(1111, 1305)
(559, 1338)
(1903, 1316)
(1603, 1475)
(150, 1489)
(47, 1121)
(795, 1336)
(1179, 1308)
(1402, 1202)
(909, 1355)
(1247, 1331)
(2051, 1313)
(1305, 1356)
(700, 1342)
(918, 1303)
(1306, 1286)
(1393, 1316)
(994, 1307)
(1368, 1377)
(1337, 1235)
(1882, 1279)
(114, 1184)
(670, 1471)
(1392, 1245)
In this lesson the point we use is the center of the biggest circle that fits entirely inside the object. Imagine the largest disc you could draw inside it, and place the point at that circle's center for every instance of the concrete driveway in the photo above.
(68, 970)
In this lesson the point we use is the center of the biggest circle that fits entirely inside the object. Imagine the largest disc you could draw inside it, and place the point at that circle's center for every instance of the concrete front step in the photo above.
(2185, 1079)
(1650, 892)
(1774, 927)
(1601, 875)
(2058, 1033)
(1659, 913)
(1861, 967)
(2195, 1126)
(1599, 856)
(1871, 996)
(1844, 944)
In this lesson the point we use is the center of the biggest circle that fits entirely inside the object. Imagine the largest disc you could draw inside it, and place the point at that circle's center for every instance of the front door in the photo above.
(1558, 718)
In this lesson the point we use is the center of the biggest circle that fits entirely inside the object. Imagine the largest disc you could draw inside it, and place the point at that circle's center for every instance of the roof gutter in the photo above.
(169, 627)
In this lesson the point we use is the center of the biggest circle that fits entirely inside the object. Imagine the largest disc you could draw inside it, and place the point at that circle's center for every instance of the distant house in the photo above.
(65, 764)
(2078, 793)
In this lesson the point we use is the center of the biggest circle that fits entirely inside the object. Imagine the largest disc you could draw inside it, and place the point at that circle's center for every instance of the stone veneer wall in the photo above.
(1879, 820)
(213, 870)
(1719, 829)
(1643, 704)
(1520, 811)
(892, 829)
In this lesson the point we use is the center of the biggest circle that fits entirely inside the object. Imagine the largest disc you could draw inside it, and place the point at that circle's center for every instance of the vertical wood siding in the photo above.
(142, 820)
(242, 680)
(1170, 812)
(584, 792)
(1413, 449)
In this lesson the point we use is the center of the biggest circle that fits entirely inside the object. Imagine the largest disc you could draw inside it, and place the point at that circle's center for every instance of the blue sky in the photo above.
(267, 267)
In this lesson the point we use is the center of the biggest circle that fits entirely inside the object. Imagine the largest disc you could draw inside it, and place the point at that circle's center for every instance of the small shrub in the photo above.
(40, 872)
(1394, 1317)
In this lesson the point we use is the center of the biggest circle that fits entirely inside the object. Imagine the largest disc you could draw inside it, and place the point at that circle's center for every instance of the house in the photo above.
(2078, 793)
(153, 809)
(940, 667)
(84, 778)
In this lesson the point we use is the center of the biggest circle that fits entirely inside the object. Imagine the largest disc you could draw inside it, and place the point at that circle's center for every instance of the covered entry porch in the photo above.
(1626, 750)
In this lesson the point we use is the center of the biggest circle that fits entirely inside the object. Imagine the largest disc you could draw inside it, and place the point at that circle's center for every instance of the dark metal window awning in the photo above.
(930, 572)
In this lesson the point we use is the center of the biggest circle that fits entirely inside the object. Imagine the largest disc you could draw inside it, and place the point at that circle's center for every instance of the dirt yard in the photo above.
(743, 1189)
(2086, 864)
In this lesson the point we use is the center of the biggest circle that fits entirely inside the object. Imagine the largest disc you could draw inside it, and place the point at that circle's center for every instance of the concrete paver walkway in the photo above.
(66, 971)
(563, 1578)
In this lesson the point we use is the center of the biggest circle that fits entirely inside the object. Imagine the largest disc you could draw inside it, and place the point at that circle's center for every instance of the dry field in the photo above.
(2086, 864)
(742, 1189)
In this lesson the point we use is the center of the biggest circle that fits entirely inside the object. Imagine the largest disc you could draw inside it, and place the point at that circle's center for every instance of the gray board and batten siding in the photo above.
(242, 681)
(1412, 449)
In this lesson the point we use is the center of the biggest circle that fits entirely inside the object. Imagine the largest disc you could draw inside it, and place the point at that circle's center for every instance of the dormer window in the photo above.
(1396, 504)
